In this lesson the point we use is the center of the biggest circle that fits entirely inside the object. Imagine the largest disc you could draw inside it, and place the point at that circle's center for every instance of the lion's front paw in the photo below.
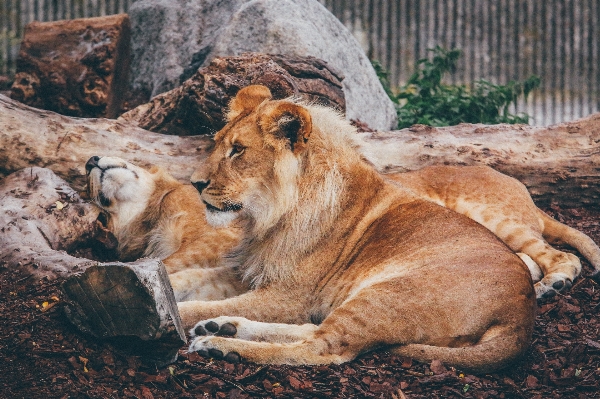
(209, 347)
(224, 326)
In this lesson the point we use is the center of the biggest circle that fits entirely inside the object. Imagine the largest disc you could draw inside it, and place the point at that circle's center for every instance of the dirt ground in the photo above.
(44, 356)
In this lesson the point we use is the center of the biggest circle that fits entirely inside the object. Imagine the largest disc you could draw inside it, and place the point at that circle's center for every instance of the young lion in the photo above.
(327, 240)
(153, 215)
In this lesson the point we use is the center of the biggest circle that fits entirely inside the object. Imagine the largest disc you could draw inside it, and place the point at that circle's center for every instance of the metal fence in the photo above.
(501, 40)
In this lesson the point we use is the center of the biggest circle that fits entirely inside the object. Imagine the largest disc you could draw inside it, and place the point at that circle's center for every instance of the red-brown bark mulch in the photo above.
(43, 356)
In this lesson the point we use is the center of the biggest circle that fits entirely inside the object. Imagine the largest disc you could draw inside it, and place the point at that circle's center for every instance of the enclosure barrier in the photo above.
(502, 40)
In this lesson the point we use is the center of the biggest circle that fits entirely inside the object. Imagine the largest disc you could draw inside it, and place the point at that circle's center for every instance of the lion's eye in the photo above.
(236, 149)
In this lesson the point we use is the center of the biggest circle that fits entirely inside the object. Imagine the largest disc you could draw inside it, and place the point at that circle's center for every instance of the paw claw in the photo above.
(211, 326)
(558, 285)
(232, 357)
(227, 330)
(549, 294)
(215, 353)
(568, 284)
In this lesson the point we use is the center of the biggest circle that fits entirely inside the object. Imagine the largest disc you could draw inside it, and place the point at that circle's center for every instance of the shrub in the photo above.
(426, 100)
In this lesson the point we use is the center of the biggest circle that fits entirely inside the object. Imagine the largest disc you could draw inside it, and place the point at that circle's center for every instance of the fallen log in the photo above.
(558, 163)
(197, 106)
(130, 304)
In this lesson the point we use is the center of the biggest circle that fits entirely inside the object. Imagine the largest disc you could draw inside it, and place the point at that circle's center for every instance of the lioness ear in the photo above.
(247, 99)
(288, 121)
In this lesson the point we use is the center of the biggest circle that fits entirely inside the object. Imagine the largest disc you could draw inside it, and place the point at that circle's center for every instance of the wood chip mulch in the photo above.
(43, 356)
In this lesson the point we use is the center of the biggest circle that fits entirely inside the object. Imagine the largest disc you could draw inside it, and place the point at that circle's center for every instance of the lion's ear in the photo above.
(288, 121)
(247, 99)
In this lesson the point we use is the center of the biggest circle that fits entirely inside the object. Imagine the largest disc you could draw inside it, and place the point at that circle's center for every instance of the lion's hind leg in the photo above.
(559, 269)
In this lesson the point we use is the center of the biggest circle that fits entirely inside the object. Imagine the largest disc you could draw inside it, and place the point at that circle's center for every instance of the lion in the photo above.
(153, 215)
(503, 205)
(340, 260)
(498, 202)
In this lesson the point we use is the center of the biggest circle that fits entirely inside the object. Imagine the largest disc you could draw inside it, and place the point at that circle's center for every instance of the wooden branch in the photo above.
(558, 163)
(132, 304)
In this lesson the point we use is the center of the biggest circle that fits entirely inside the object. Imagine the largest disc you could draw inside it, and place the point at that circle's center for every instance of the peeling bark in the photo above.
(199, 104)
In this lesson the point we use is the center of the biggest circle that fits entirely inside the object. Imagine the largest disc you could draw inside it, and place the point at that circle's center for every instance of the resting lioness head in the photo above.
(153, 215)
(327, 240)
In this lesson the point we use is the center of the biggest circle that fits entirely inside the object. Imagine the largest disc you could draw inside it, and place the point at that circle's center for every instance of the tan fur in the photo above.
(329, 241)
(504, 206)
(167, 222)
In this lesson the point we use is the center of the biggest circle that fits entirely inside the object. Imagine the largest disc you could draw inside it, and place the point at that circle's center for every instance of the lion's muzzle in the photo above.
(92, 163)
(200, 185)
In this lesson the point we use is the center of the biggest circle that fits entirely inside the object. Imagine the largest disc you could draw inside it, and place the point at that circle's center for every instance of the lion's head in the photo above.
(278, 169)
(259, 170)
(118, 187)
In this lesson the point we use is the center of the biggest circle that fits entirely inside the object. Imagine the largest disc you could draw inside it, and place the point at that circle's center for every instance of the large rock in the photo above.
(171, 39)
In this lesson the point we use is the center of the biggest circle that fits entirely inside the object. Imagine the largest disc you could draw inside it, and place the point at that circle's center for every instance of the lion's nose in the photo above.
(200, 185)
(92, 163)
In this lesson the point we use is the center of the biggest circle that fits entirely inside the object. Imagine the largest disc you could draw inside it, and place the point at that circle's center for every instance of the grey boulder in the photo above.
(172, 38)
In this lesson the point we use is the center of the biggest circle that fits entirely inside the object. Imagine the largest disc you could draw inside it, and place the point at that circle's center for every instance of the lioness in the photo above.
(153, 215)
(342, 261)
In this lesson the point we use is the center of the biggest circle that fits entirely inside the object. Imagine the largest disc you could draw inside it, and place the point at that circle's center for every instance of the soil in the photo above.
(44, 356)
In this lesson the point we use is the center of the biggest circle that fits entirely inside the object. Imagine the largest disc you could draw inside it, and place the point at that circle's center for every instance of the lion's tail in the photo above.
(558, 233)
(484, 357)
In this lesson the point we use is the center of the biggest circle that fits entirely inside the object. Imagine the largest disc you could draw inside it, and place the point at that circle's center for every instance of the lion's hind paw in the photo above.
(553, 284)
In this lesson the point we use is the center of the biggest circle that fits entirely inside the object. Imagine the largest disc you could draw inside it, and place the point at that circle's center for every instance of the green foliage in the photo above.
(426, 100)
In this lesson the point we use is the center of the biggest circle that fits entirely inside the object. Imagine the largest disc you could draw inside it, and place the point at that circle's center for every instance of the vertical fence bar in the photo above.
(393, 41)
(4, 42)
(586, 60)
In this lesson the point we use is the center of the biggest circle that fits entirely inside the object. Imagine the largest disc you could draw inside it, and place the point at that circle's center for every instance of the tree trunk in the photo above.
(558, 163)
(75, 67)
(131, 304)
